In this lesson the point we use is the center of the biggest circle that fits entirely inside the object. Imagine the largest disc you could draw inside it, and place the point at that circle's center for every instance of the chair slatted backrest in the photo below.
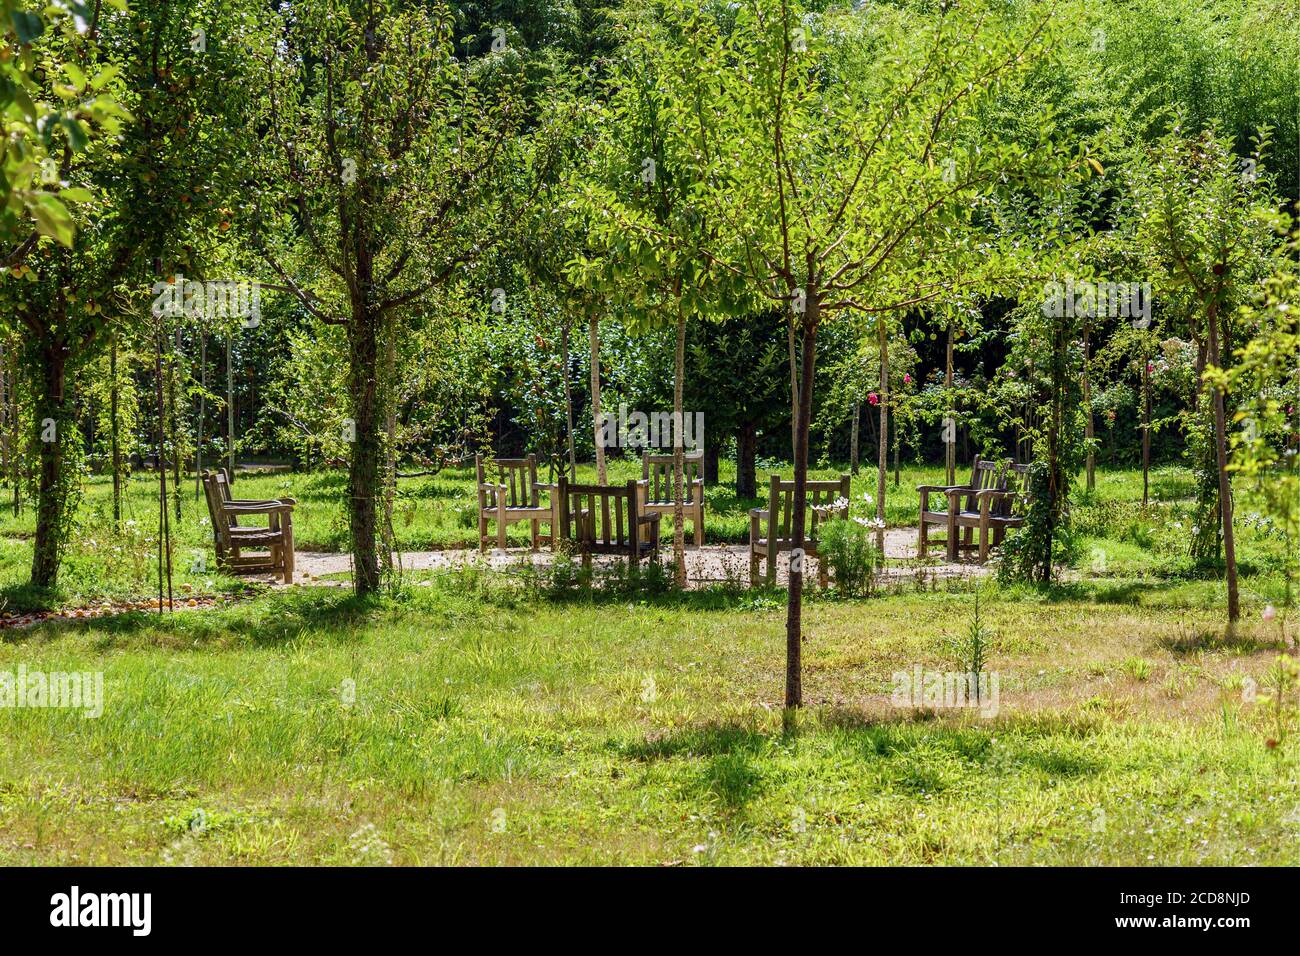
(601, 519)
(213, 492)
(780, 505)
(658, 471)
(985, 475)
(518, 475)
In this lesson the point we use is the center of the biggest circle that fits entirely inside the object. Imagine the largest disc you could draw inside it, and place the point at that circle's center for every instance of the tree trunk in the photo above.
(794, 610)
(710, 469)
(1089, 429)
(230, 413)
(853, 437)
(882, 463)
(54, 498)
(679, 520)
(1146, 432)
(115, 432)
(594, 335)
(173, 372)
(794, 386)
(198, 425)
(1221, 456)
(568, 401)
(363, 470)
(746, 447)
(950, 436)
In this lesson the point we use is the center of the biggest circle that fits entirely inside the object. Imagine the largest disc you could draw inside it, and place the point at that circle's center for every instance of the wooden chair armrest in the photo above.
(649, 519)
(943, 488)
(995, 493)
(759, 513)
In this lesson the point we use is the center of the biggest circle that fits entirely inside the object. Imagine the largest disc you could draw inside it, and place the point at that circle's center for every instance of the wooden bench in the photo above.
(514, 497)
(231, 539)
(606, 519)
(1003, 507)
(657, 481)
(769, 530)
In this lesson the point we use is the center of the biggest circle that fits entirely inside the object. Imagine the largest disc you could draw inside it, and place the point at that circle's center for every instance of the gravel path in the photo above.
(706, 565)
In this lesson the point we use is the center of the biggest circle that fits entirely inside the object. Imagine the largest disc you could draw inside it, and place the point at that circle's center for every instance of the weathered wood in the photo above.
(515, 496)
(657, 480)
(231, 539)
(607, 519)
(771, 530)
(989, 504)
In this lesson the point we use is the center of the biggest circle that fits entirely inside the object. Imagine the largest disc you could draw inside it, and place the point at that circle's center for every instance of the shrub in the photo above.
(845, 546)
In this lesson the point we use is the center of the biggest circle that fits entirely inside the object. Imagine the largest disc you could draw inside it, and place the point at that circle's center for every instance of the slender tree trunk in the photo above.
(1089, 429)
(882, 463)
(679, 520)
(1221, 456)
(363, 469)
(164, 528)
(54, 499)
(950, 436)
(853, 437)
(794, 386)
(230, 412)
(115, 430)
(568, 401)
(593, 327)
(198, 425)
(1146, 432)
(173, 373)
(794, 610)
(746, 448)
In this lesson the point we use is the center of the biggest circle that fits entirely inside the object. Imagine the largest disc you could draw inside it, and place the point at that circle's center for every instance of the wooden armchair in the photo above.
(657, 484)
(1003, 507)
(769, 530)
(606, 519)
(515, 496)
(231, 539)
(960, 513)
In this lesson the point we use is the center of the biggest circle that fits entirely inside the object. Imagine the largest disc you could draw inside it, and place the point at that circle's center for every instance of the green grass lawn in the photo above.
(484, 718)
(490, 724)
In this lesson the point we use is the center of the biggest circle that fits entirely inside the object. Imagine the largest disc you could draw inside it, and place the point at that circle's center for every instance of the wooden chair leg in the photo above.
(501, 525)
(769, 572)
(699, 526)
(953, 537)
(823, 574)
(984, 539)
(922, 538)
(753, 567)
(536, 524)
(482, 532)
(287, 551)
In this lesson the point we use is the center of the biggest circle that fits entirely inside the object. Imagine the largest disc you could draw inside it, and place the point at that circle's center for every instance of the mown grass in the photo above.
(494, 724)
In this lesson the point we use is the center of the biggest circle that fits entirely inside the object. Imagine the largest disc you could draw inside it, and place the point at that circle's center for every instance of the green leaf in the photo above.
(53, 219)
(76, 135)
(28, 26)
(76, 194)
